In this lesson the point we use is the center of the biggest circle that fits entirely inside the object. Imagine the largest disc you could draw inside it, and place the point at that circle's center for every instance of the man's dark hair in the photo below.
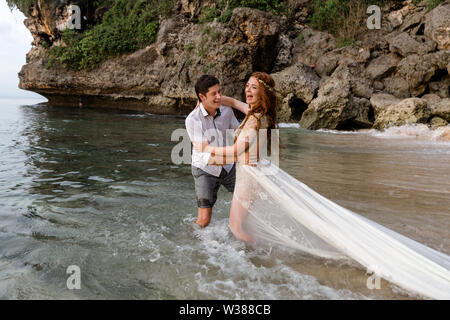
(203, 84)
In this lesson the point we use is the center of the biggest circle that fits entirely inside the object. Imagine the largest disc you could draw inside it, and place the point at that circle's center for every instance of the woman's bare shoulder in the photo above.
(255, 116)
(252, 121)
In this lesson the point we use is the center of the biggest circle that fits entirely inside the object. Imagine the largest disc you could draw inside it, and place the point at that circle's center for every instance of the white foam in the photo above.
(417, 131)
(100, 179)
(138, 115)
(339, 131)
(288, 125)
(147, 242)
(230, 273)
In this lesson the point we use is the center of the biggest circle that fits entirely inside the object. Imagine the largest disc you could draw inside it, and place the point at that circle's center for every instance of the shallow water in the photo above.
(97, 189)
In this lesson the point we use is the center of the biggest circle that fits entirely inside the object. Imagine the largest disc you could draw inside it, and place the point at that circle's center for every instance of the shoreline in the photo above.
(115, 102)
(418, 131)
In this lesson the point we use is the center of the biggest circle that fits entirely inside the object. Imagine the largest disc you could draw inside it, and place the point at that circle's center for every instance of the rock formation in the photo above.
(392, 76)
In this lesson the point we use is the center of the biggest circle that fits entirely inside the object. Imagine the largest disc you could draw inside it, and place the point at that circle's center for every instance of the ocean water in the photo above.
(97, 189)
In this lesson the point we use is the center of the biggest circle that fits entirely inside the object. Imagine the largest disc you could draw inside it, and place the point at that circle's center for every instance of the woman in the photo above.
(280, 210)
(260, 112)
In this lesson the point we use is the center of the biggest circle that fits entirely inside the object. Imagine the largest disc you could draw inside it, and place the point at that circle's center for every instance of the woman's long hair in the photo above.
(267, 105)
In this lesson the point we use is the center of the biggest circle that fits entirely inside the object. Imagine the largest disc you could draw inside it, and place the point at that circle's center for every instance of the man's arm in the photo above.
(236, 104)
(194, 130)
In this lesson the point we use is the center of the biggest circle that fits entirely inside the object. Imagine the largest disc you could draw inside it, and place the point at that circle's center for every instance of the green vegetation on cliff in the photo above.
(342, 18)
(23, 5)
(431, 4)
(224, 8)
(128, 26)
(345, 19)
(133, 24)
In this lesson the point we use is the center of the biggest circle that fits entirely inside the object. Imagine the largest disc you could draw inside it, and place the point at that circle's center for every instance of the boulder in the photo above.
(428, 45)
(440, 86)
(335, 106)
(413, 20)
(407, 111)
(418, 70)
(326, 64)
(363, 119)
(437, 26)
(260, 30)
(431, 98)
(441, 108)
(382, 66)
(395, 18)
(397, 86)
(310, 45)
(381, 101)
(299, 79)
(256, 25)
(284, 112)
(361, 86)
(405, 45)
(436, 122)
(284, 49)
(378, 86)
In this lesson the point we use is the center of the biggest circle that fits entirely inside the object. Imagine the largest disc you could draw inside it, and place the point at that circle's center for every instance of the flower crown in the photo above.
(272, 89)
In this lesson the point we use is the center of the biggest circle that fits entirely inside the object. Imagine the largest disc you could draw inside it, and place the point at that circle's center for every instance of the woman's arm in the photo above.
(227, 155)
(219, 161)
(230, 154)
(236, 104)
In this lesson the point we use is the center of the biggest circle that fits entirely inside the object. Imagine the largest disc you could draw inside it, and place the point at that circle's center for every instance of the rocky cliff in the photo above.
(395, 75)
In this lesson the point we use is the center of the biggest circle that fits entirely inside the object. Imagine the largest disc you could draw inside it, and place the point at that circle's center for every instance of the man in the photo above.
(213, 118)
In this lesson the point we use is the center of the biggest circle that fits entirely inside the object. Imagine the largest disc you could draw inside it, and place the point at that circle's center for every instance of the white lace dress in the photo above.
(270, 207)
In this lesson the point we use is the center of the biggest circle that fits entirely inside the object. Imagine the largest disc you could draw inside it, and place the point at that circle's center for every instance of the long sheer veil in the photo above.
(281, 210)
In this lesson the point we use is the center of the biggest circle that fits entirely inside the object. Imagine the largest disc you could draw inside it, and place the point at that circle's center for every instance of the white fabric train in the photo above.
(284, 211)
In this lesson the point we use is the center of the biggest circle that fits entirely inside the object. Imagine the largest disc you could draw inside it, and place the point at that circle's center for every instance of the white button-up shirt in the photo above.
(201, 126)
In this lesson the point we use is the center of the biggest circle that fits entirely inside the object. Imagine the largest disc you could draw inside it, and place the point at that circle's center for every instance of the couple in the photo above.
(215, 163)
(278, 209)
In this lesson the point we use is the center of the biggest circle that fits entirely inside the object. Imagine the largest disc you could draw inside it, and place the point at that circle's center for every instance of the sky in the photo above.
(15, 42)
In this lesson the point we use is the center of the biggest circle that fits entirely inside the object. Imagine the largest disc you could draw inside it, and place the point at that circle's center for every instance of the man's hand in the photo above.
(202, 146)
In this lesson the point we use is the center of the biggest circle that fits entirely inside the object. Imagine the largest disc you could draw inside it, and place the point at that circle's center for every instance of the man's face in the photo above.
(212, 98)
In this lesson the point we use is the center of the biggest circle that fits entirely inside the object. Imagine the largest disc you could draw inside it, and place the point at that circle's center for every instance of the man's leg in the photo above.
(229, 180)
(206, 187)
(204, 216)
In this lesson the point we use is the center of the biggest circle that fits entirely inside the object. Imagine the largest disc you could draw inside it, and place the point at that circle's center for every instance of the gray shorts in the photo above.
(207, 185)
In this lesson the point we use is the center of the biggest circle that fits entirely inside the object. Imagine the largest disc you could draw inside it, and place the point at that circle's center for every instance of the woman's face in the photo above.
(252, 92)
